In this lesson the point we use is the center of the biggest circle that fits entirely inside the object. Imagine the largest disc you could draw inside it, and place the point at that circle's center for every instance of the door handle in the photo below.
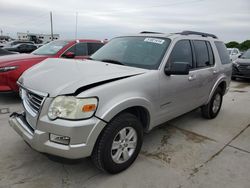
(192, 77)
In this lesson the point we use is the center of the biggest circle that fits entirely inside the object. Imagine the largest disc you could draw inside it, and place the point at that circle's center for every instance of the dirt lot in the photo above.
(186, 152)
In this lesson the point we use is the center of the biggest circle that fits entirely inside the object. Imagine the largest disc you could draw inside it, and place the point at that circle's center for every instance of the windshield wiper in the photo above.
(112, 61)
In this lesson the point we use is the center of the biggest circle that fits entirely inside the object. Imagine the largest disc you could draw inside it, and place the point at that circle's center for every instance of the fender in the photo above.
(217, 83)
(125, 104)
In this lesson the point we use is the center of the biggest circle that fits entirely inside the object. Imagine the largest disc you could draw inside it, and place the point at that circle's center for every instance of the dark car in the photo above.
(5, 52)
(241, 66)
(22, 48)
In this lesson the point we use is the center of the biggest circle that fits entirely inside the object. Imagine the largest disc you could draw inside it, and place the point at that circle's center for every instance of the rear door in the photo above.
(205, 69)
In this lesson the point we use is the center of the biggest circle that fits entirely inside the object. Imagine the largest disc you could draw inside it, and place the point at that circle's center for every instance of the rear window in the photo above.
(223, 53)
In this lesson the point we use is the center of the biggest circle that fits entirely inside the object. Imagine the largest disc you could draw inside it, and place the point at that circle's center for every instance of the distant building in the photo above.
(37, 38)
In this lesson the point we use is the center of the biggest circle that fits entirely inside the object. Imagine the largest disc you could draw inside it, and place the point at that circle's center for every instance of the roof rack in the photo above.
(150, 32)
(198, 33)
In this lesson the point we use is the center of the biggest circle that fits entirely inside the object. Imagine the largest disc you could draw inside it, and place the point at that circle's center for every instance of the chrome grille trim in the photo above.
(32, 100)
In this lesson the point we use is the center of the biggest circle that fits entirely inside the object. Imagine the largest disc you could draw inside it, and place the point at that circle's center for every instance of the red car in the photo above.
(12, 66)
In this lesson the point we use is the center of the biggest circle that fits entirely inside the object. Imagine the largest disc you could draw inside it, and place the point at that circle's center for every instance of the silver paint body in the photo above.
(164, 97)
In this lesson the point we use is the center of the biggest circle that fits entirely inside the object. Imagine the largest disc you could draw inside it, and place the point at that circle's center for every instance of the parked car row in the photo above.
(101, 106)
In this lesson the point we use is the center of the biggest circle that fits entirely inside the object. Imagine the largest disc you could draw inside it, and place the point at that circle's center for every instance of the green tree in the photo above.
(233, 44)
(245, 45)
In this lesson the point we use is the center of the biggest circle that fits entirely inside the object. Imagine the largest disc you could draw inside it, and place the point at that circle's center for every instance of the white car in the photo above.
(234, 53)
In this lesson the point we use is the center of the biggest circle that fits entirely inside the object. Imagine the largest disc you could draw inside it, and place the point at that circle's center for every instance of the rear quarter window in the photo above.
(223, 53)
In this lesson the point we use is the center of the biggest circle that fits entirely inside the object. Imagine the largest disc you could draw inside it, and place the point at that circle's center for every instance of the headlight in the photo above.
(235, 64)
(5, 69)
(70, 107)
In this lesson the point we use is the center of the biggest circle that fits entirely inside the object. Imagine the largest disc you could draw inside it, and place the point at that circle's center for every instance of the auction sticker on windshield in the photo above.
(154, 40)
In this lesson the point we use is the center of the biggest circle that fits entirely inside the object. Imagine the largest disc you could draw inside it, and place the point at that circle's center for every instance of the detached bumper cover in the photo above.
(39, 140)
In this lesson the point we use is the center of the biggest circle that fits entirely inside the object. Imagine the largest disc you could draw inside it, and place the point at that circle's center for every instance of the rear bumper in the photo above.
(39, 140)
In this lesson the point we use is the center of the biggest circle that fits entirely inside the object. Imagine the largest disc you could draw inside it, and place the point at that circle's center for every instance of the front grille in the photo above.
(32, 99)
(244, 68)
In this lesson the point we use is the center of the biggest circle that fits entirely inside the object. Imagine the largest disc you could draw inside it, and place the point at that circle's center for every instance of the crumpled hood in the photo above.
(14, 59)
(243, 61)
(62, 76)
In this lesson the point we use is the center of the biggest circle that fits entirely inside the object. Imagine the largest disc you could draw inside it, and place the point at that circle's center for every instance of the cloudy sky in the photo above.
(230, 20)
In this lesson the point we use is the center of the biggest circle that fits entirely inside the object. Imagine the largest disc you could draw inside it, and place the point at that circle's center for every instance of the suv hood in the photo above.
(16, 58)
(62, 76)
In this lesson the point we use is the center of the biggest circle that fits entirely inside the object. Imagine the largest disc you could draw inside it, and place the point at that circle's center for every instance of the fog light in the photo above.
(59, 139)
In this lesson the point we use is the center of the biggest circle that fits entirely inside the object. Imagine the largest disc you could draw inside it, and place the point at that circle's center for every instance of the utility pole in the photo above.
(51, 26)
(76, 25)
(1, 32)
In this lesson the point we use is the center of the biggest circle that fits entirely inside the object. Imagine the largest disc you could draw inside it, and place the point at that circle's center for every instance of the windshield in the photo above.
(51, 48)
(246, 55)
(142, 52)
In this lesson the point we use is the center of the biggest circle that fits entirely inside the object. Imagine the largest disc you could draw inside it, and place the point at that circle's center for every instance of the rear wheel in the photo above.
(119, 144)
(212, 109)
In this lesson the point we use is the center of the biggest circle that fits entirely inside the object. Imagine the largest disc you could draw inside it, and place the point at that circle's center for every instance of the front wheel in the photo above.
(119, 144)
(212, 109)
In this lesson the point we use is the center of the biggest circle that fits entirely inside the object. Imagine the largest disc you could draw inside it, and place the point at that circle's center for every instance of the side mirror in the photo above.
(177, 68)
(69, 55)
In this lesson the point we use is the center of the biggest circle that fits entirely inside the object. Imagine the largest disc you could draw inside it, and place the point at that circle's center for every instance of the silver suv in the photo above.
(102, 106)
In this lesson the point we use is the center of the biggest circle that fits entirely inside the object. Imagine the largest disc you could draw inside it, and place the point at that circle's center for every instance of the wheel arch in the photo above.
(222, 83)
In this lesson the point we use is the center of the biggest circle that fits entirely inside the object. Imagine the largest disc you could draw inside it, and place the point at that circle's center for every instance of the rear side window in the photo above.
(210, 53)
(182, 52)
(93, 47)
(201, 52)
(222, 50)
(79, 49)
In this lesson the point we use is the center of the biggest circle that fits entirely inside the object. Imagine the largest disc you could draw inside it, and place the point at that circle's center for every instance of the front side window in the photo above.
(93, 47)
(182, 52)
(79, 49)
(51, 48)
(142, 52)
(222, 50)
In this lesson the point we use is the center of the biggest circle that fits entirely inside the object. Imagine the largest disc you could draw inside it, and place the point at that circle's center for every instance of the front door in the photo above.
(178, 93)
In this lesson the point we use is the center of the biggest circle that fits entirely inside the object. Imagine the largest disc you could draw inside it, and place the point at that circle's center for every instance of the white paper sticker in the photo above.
(154, 40)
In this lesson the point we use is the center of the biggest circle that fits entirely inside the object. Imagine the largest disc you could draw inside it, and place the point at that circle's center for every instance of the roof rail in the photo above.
(198, 33)
(150, 32)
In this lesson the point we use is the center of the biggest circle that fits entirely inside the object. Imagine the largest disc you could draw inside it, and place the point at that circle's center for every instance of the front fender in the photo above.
(120, 106)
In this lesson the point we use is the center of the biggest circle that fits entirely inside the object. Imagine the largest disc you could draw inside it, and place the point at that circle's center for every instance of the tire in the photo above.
(105, 153)
(209, 111)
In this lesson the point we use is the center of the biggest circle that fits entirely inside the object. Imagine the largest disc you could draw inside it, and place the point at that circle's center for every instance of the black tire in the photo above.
(101, 155)
(207, 110)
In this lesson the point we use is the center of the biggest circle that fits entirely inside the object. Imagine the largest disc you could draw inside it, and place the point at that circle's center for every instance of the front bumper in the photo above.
(241, 72)
(39, 139)
(8, 82)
